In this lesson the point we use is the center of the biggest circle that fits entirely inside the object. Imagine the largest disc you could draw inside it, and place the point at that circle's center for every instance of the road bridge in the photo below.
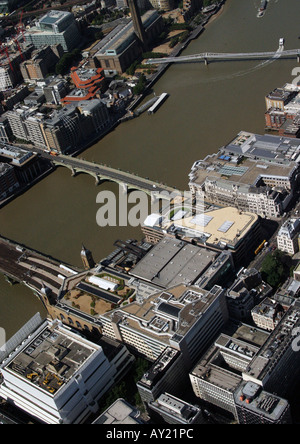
(210, 56)
(102, 173)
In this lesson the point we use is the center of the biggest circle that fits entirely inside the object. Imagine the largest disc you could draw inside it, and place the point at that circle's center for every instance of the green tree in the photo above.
(275, 269)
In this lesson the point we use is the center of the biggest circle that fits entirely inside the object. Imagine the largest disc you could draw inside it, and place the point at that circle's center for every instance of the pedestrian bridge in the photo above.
(210, 56)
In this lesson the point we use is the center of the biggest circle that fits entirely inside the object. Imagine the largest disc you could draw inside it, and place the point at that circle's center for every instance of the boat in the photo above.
(262, 8)
(158, 102)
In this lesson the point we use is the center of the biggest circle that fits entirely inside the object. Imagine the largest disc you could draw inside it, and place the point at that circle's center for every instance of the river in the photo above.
(207, 106)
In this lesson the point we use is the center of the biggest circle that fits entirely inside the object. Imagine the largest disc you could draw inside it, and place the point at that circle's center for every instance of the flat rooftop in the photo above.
(172, 262)
(50, 358)
(227, 225)
(165, 315)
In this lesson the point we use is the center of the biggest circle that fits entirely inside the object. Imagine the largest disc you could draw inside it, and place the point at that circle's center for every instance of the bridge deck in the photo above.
(226, 56)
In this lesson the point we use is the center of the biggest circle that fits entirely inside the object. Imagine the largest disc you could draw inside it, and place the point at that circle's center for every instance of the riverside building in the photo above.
(252, 173)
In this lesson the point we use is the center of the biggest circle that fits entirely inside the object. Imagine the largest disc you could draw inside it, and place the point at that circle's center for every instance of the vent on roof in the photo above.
(225, 226)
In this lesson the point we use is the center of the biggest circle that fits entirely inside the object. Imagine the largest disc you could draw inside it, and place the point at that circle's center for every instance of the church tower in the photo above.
(87, 258)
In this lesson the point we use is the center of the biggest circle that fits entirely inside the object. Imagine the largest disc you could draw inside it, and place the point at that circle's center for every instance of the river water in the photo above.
(207, 106)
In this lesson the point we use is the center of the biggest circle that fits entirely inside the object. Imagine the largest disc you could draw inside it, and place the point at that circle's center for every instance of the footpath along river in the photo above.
(206, 108)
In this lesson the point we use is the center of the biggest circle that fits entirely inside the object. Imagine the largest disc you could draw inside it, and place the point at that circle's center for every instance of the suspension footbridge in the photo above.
(211, 56)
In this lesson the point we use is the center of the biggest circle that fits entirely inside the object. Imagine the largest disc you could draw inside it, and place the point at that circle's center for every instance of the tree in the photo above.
(275, 269)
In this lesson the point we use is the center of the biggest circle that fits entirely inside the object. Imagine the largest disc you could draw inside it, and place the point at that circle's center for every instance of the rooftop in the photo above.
(225, 225)
(49, 357)
(172, 262)
(167, 315)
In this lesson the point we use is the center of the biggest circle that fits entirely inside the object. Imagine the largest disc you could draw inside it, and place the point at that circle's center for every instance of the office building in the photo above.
(256, 406)
(55, 375)
(253, 173)
(217, 229)
(42, 61)
(8, 181)
(167, 374)
(280, 97)
(26, 124)
(94, 115)
(170, 410)
(287, 237)
(218, 374)
(55, 27)
(184, 317)
(6, 134)
(276, 366)
(162, 5)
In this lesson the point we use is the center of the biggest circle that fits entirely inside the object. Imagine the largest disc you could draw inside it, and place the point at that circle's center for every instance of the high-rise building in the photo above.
(55, 27)
(55, 375)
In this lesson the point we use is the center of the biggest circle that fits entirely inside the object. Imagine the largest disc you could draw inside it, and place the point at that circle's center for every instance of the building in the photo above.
(219, 229)
(26, 124)
(170, 410)
(55, 375)
(55, 90)
(280, 97)
(95, 116)
(121, 47)
(167, 374)
(268, 313)
(287, 237)
(27, 165)
(276, 367)
(246, 291)
(62, 130)
(55, 27)
(253, 173)
(177, 318)
(218, 374)
(42, 61)
(6, 134)
(88, 84)
(8, 181)
(120, 413)
(172, 262)
(256, 406)
(162, 5)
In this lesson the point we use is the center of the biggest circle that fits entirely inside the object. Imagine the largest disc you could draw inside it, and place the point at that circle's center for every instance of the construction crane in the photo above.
(19, 29)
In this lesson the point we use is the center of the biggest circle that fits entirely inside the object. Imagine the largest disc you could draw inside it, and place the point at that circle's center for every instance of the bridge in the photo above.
(37, 271)
(210, 56)
(102, 173)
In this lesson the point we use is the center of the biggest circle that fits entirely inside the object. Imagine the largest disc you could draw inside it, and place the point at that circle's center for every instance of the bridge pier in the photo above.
(206, 61)
(298, 58)
(74, 172)
(124, 187)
